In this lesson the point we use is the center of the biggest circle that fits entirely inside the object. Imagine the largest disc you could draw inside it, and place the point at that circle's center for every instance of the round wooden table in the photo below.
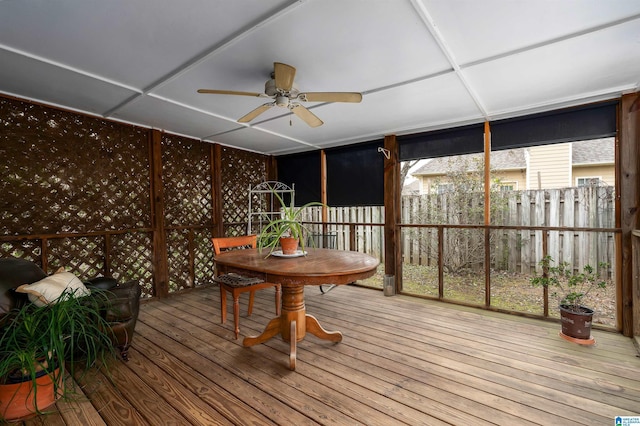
(319, 266)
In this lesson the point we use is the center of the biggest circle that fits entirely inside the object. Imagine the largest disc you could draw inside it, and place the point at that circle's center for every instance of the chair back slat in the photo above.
(225, 243)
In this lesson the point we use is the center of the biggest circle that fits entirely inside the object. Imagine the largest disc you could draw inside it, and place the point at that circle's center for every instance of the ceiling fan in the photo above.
(285, 94)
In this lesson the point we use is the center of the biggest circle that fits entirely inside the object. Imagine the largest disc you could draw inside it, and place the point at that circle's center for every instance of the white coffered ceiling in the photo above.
(420, 64)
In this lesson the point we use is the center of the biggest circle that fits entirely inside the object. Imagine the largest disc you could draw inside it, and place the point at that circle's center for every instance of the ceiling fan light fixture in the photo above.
(282, 101)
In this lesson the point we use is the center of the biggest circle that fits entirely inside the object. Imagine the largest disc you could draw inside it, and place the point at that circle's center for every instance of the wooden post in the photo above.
(487, 214)
(392, 193)
(160, 261)
(628, 204)
(440, 262)
(216, 190)
(323, 191)
(272, 168)
(545, 274)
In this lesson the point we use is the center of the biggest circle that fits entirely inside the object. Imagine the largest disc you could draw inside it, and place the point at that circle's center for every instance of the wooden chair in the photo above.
(238, 284)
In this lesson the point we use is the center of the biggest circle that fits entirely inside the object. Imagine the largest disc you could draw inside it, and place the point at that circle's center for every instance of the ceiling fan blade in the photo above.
(331, 97)
(284, 75)
(307, 116)
(229, 92)
(256, 112)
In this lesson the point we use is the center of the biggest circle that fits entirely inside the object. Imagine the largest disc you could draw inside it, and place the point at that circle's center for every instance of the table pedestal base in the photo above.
(293, 324)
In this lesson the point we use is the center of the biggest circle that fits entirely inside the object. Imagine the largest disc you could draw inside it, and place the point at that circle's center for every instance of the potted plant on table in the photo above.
(286, 230)
(572, 287)
(37, 344)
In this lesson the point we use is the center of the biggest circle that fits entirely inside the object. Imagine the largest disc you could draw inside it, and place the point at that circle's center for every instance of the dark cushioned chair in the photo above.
(121, 311)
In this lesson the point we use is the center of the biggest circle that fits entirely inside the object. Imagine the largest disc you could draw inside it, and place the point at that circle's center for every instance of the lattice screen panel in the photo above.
(240, 171)
(28, 249)
(132, 259)
(203, 254)
(186, 178)
(178, 257)
(83, 256)
(183, 273)
(64, 172)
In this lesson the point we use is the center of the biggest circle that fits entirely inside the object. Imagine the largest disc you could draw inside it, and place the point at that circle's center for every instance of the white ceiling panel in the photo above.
(374, 60)
(168, 116)
(260, 141)
(476, 30)
(33, 79)
(132, 42)
(420, 64)
(591, 65)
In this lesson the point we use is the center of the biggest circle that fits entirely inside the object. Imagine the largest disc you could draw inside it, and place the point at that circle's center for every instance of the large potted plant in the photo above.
(571, 287)
(37, 343)
(286, 230)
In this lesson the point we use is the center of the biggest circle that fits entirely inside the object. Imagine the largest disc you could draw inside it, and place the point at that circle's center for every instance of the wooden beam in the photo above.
(392, 193)
(160, 260)
(323, 190)
(628, 185)
(487, 213)
(272, 168)
(487, 173)
(216, 190)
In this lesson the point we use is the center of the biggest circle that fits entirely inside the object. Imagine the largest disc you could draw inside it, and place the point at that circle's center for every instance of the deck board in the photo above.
(402, 361)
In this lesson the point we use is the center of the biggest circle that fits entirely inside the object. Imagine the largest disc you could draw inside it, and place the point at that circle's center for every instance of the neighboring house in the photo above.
(411, 188)
(540, 167)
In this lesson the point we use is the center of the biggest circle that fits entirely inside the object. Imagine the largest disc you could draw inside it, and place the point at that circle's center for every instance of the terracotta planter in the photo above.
(18, 400)
(289, 245)
(576, 324)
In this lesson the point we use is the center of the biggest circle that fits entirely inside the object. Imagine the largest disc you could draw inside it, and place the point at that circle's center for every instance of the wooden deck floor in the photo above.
(402, 361)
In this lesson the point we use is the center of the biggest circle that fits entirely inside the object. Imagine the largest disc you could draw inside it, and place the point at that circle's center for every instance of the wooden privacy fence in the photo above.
(580, 223)
(357, 228)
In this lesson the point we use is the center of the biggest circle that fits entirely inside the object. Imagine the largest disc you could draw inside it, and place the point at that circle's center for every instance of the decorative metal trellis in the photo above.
(263, 207)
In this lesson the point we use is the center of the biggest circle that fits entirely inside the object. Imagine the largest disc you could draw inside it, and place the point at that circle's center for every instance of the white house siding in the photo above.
(606, 173)
(518, 177)
(549, 166)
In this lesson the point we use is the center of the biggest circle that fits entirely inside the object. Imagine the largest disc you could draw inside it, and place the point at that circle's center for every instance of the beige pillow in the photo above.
(49, 289)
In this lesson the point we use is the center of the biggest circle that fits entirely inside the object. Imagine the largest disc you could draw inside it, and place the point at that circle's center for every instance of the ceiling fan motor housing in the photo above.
(271, 90)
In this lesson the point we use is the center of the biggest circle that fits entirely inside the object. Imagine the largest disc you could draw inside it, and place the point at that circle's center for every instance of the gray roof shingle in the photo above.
(500, 160)
(596, 151)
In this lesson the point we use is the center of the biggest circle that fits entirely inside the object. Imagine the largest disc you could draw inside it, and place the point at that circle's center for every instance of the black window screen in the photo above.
(303, 170)
(442, 143)
(567, 125)
(355, 175)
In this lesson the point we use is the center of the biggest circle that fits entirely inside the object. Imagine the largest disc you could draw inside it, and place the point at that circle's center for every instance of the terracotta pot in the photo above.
(18, 400)
(289, 245)
(576, 324)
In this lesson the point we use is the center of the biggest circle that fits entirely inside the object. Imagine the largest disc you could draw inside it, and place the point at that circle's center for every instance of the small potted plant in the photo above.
(37, 343)
(571, 287)
(286, 230)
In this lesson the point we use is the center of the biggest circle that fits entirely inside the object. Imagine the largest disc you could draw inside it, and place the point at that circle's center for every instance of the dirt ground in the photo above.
(508, 291)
